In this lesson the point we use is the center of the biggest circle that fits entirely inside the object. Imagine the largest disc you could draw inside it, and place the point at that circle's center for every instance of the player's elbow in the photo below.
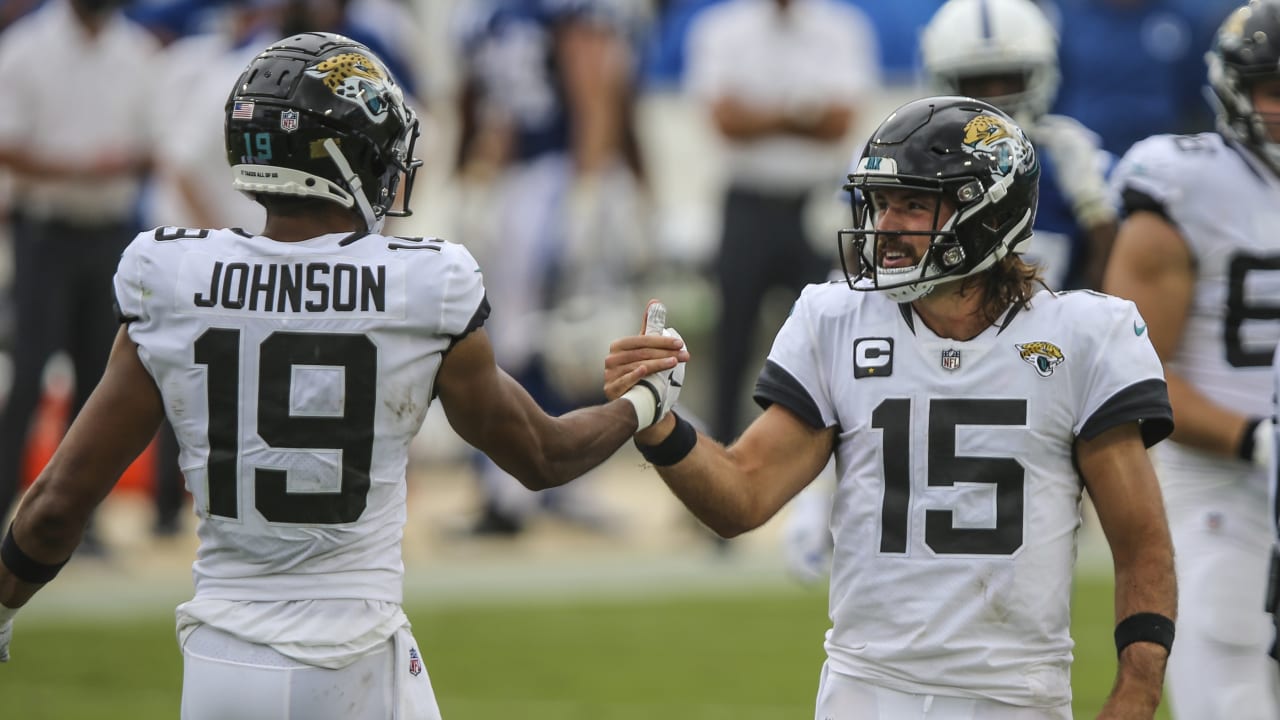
(729, 525)
(541, 476)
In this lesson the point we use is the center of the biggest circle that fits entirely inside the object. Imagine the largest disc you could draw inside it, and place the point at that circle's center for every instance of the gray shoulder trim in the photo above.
(1145, 402)
(776, 385)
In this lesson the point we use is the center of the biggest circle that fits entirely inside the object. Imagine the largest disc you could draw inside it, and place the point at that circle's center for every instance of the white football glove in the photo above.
(655, 395)
(1081, 165)
(6, 631)
(1264, 441)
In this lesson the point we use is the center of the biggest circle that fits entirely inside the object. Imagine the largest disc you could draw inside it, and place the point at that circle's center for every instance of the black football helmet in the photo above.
(1245, 50)
(318, 115)
(969, 154)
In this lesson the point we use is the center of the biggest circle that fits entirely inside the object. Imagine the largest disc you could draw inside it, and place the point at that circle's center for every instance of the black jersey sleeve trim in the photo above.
(477, 321)
(1132, 201)
(1145, 402)
(123, 317)
(776, 385)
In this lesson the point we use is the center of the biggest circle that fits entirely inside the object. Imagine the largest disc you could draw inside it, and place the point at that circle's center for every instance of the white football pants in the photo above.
(1219, 667)
(841, 697)
(225, 678)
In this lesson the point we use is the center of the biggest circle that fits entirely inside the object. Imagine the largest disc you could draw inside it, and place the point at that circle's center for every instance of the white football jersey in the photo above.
(1226, 205)
(295, 376)
(958, 503)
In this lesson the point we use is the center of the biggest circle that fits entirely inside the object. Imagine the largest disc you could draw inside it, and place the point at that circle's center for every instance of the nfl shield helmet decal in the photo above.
(415, 662)
(289, 120)
(950, 359)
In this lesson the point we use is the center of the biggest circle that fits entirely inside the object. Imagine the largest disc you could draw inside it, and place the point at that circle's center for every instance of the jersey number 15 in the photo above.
(893, 418)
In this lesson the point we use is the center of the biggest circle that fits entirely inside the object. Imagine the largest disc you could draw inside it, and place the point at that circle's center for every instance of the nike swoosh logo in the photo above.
(1139, 329)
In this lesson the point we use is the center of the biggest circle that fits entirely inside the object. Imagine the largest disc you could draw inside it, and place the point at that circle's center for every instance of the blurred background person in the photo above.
(783, 82)
(74, 137)
(387, 27)
(1132, 68)
(552, 190)
(1006, 52)
(191, 184)
(1198, 253)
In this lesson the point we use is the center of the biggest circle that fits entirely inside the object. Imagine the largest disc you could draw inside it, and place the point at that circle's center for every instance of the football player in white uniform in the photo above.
(295, 367)
(1199, 254)
(1006, 53)
(967, 410)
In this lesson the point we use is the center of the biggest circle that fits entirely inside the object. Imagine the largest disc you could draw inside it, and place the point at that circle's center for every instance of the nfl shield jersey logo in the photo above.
(415, 662)
(950, 359)
(289, 120)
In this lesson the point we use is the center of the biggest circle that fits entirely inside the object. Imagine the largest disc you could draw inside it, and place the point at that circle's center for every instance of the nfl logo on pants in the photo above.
(950, 359)
(415, 662)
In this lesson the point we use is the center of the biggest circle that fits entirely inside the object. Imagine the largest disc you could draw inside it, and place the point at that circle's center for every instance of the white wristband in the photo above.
(645, 403)
(1263, 439)
(6, 614)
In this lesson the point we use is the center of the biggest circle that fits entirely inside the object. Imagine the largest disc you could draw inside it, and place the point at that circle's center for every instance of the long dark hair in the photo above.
(1010, 281)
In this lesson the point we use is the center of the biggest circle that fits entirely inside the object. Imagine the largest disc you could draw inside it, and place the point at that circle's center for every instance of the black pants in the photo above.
(62, 300)
(763, 246)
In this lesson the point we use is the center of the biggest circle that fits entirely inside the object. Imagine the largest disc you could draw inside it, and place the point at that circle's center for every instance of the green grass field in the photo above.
(731, 656)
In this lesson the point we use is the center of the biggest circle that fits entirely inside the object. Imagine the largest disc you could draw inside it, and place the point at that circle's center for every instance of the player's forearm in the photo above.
(738, 121)
(1201, 423)
(49, 523)
(713, 488)
(578, 441)
(1139, 683)
(42, 537)
(1145, 583)
(15, 593)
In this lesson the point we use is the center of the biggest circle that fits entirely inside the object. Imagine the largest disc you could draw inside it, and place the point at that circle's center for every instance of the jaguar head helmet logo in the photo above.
(995, 137)
(358, 79)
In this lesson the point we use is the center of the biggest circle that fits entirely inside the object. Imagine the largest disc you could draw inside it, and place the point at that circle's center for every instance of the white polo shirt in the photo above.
(815, 51)
(73, 97)
(199, 73)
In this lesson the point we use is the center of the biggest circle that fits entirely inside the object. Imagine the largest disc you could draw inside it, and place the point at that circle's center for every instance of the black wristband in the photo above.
(1144, 627)
(1245, 450)
(674, 449)
(23, 566)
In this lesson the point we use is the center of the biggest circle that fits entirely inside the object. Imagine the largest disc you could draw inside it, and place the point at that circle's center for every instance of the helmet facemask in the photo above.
(971, 39)
(1231, 95)
(954, 249)
(872, 248)
(1037, 85)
